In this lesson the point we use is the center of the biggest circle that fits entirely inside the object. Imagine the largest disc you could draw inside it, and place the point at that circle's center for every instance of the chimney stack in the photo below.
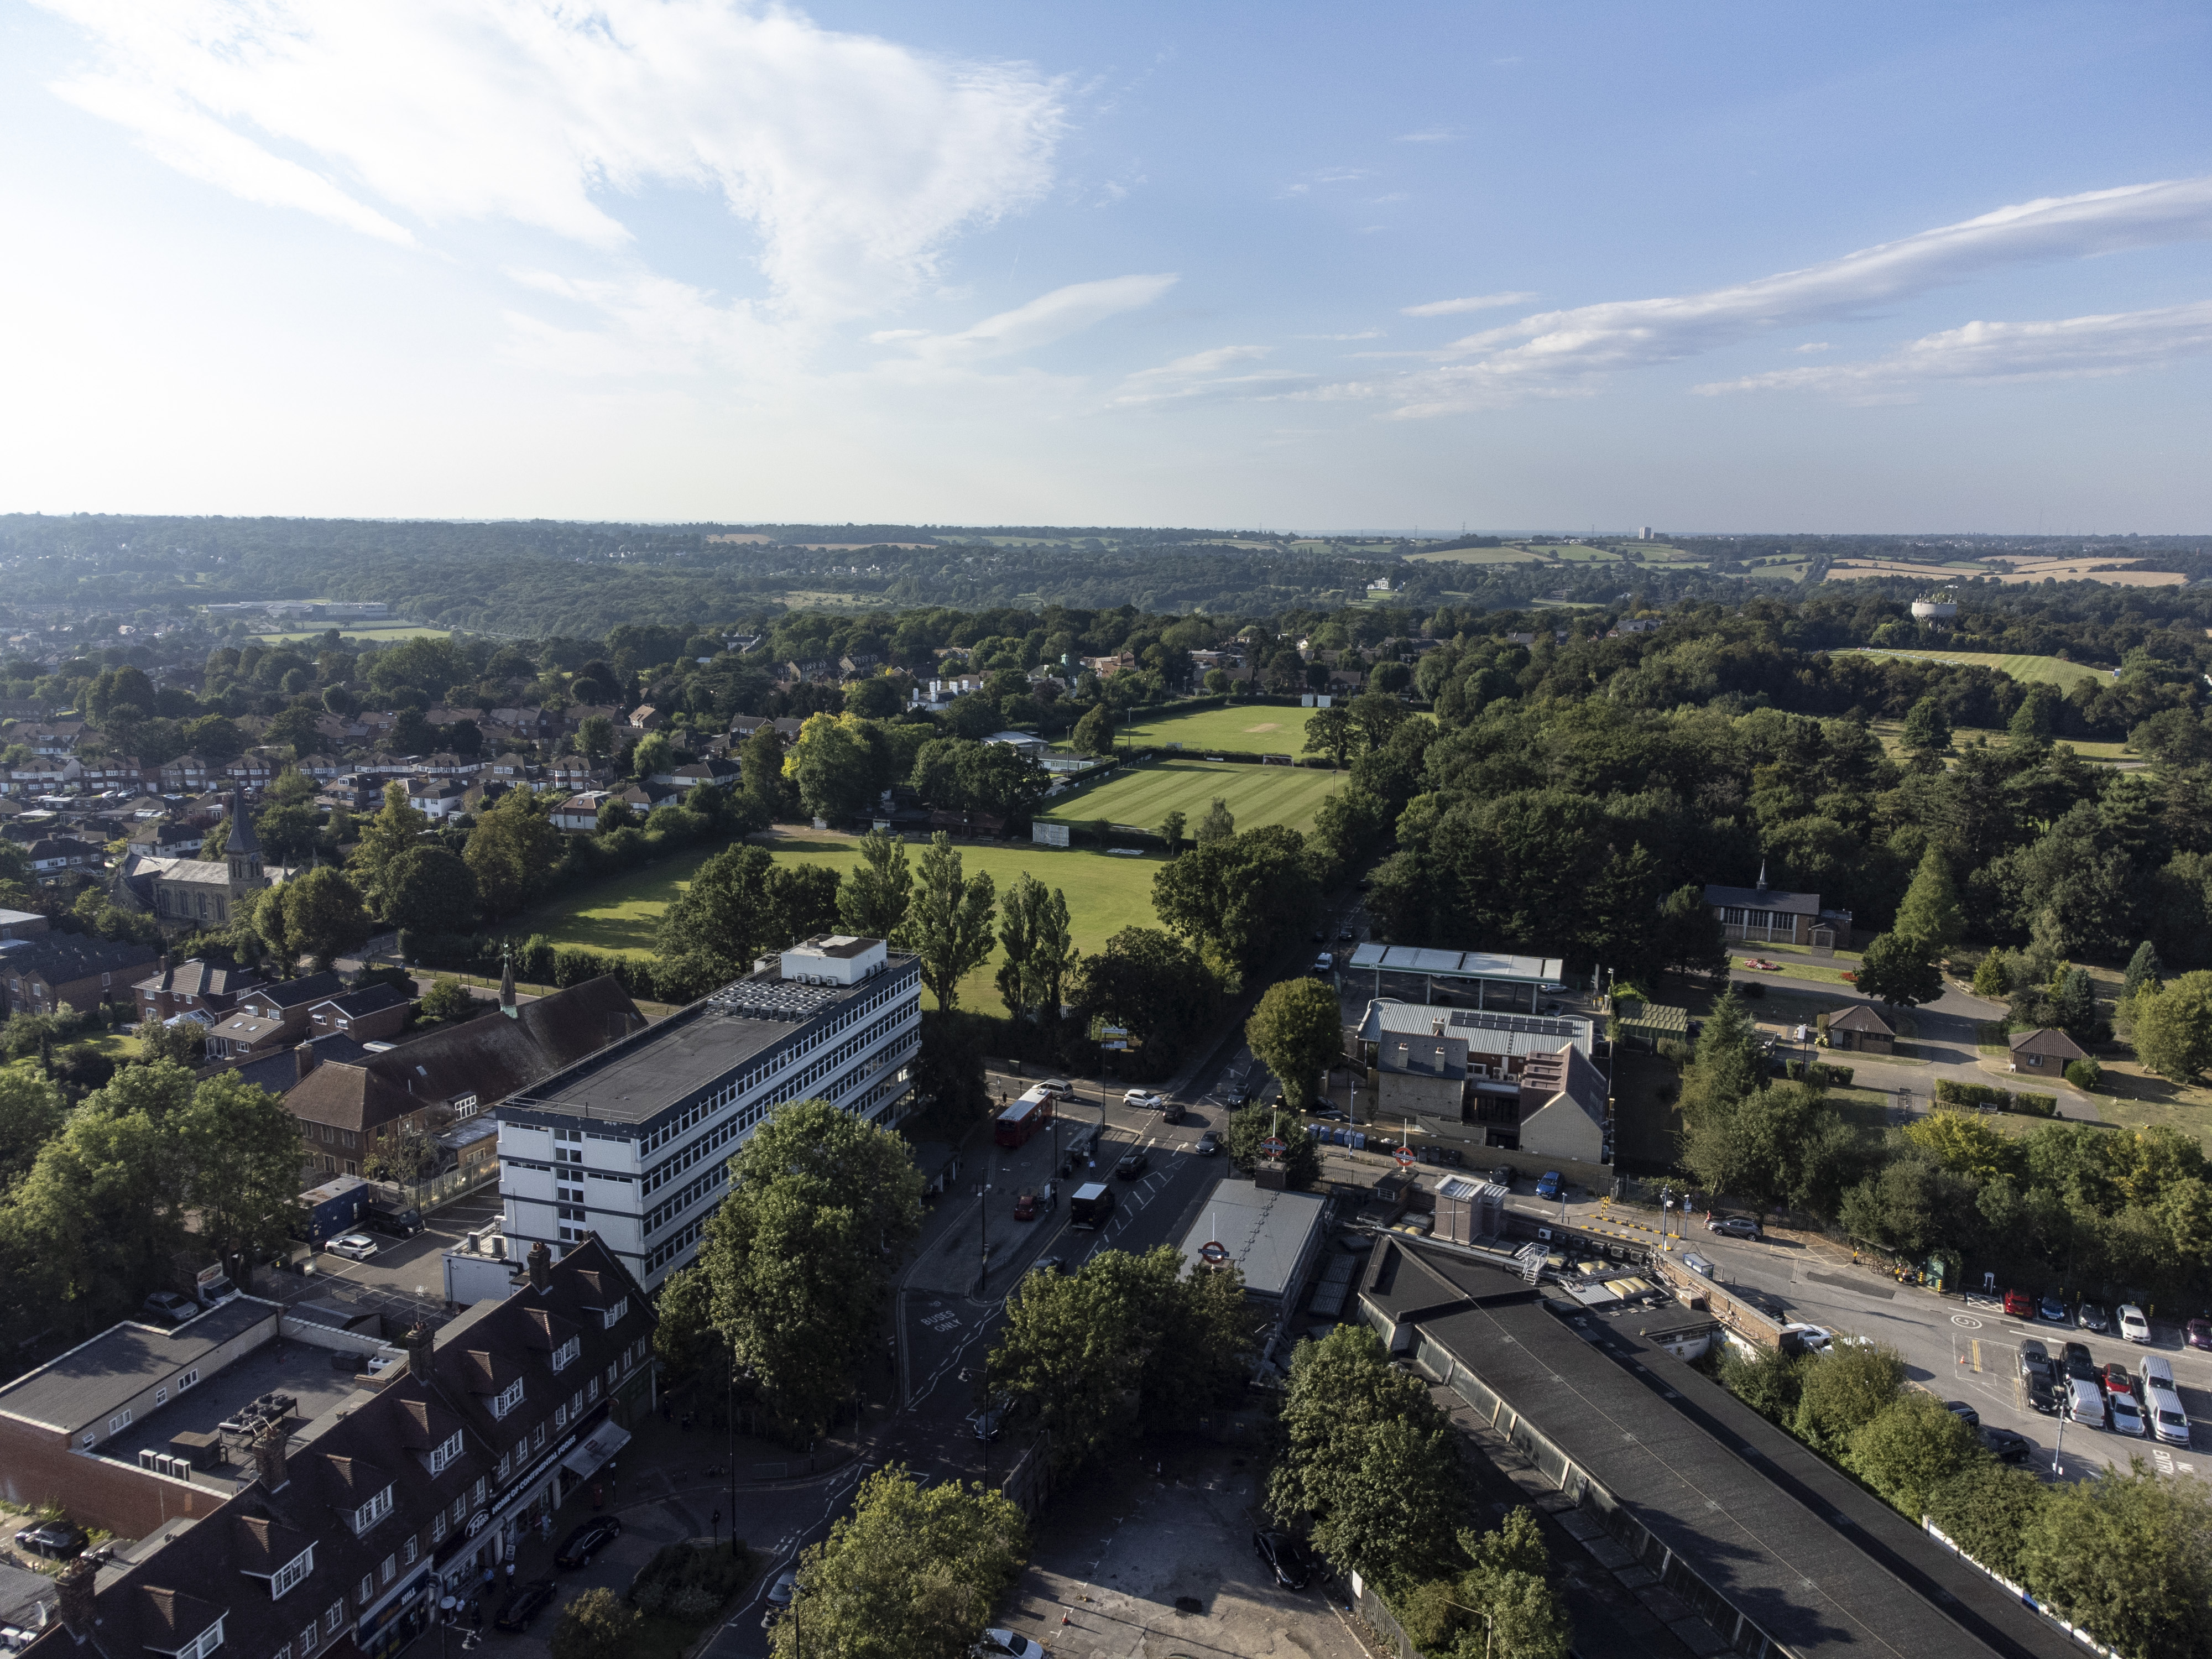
(304, 1058)
(268, 1452)
(76, 1581)
(165, 998)
(541, 1268)
(417, 1341)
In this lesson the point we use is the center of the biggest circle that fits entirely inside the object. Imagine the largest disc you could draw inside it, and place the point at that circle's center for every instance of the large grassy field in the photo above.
(1257, 795)
(1257, 729)
(2025, 669)
(1105, 894)
(381, 633)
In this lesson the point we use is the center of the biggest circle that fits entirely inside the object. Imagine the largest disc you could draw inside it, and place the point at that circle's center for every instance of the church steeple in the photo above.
(243, 849)
(507, 983)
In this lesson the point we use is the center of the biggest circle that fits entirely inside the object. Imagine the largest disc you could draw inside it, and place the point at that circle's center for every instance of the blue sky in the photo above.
(1817, 268)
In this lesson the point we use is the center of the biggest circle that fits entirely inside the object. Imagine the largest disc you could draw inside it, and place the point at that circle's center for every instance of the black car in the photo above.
(2091, 1317)
(587, 1540)
(1964, 1413)
(1502, 1175)
(1208, 1145)
(2038, 1376)
(1050, 1264)
(989, 1422)
(1286, 1557)
(2078, 1363)
(2008, 1446)
(525, 1605)
(1132, 1165)
(56, 1540)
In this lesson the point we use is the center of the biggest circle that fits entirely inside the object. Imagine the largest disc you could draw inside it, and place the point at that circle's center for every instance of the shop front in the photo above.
(399, 1617)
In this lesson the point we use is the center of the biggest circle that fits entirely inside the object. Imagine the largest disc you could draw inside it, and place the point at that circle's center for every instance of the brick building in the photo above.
(38, 974)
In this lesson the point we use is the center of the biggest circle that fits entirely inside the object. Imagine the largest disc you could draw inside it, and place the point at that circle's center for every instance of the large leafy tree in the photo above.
(2130, 1556)
(1911, 1447)
(721, 918)
(1330, 731)
(948, 925)
(1372, 1460)
(1154, 986)
(800, 1255)
(394, 829)
(833, 767)
(241, 1147)
(873, 899)
(1690, 938)
(32, 1112)
(288, 822)
(2172, 1026)
(1301, 1158)
(1124, 1345)
(1239, 897)
(431, 890)
(912, 1573)
(1931, 914)
(802, 902)
(1040, 949)
(1898, 969)
(512, 850)
(319, 915)
(1297, 1032)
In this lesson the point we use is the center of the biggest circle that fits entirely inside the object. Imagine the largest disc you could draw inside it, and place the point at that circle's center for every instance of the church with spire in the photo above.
(206, 892)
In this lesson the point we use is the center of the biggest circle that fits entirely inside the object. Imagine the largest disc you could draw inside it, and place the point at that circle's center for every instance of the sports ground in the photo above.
(1142, 797)
(2025, 669)
(1254, 729)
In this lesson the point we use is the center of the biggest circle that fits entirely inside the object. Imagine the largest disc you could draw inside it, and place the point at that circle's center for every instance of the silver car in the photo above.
(354, 1247)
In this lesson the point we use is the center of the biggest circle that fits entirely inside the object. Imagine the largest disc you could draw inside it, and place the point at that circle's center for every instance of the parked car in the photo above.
(2091, 1317)
(2085, 1400)
(2075, 1358)
(1547, 1184)
(2161, 1403)
(1025, 1206)
(2114, 1379)
(525, 1605)
(2018, 1305)
(2052, 1309)
(1132, 1165)
(1964, 1413)
(2133, 1326)
(1502, 1175)
(1005, 1644)
(2127, 1415)
(2039, 1377)
(1208, 1145)
(1814, 1338)
(1345, 934)
(587, 1541)
(354, 1247)
(1736, 1226)
(170, 1307)
(2007, 1446)
(56, 1541)
(2197, 1333)
(1286, 1557)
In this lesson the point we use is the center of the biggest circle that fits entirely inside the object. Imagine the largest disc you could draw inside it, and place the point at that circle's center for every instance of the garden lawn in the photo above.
(1143, 796)
(2025, 669)
(1255, 729)
(1105, 894)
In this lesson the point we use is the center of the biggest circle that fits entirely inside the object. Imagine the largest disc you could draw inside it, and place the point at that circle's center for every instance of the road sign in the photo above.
(1273, 1147)
(1214, 1255)
(1407, 1155)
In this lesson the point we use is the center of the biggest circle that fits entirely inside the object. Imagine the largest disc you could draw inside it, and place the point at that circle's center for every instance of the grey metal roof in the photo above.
(1484, 1032)
(1457, 964)
(1269, 1232)
(96, 1377)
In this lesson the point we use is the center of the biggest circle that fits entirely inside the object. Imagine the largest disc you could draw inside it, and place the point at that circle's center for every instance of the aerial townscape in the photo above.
(951, 835)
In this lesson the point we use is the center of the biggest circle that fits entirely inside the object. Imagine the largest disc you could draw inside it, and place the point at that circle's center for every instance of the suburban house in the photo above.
(580, 814)
(2043, 1050)
(1767, 915)
(1862, 1030)
(59, 854)
(194, 987)
(38, 974)
(22, 924)
(288, 1004)
(370, 1014)
(348, 1108)
(340, 1535)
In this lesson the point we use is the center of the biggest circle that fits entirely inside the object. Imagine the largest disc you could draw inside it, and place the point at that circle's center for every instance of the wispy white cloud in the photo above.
(1558, 352)
(1364, 334)
(2117, 343)
(1811, 346)
(854, 159)
(1472, 302)
(1199, 377)
(1428, 136)
(1048, 317)
(1327, 176)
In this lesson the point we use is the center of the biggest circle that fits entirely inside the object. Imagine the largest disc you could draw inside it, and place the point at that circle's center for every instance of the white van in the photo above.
(2162, 1403)
(2085, 1401)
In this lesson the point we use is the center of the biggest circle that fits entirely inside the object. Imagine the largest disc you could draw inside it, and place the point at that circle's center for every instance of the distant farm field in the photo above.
(1258, 729)
(1142, 797)
(2025, 669)
(1105, 894)
(381, 633)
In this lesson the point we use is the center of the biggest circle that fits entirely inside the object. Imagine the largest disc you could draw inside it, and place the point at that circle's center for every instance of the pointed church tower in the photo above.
(507, 983)
(242, 849)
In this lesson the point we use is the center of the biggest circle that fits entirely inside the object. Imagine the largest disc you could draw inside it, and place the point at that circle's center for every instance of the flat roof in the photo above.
(1458, 964)
(635, 1079)
(99, 1376)
(1267, 1231)
(1819, 1563)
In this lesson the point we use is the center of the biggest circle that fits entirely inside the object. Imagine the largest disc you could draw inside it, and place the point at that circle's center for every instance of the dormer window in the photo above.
(292, 1572)
(373, 1511)
(567, 1352)
(444, 1453)
(611, 1316)
(201, 1645)
(508, 1398)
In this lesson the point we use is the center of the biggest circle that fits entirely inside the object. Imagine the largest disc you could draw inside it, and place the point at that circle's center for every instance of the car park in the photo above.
(2133, 1326)
(2038, 1378)
(1132, 1165)
(170, 1307)
(56, 1541)
(2018, 1305)
(525, 1605)
(354, 1247)
(2091, 1317)
(1964, 1413)
(2051, 1310)
(1286, 1557)
(2197, 1333)
(1208, 1145)
(1736, 1226)
(587, 1541)
(1547, 1184)
(2007, 1446)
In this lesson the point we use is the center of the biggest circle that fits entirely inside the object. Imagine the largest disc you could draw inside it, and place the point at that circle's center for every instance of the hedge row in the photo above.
(540, 962)
(1820, 1072)
(1983, 1096)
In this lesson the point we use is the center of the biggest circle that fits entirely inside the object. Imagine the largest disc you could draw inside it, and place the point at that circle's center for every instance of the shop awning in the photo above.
(595, 1449)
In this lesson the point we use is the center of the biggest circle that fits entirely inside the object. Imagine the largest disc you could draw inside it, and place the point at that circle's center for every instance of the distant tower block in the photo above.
(1645, 533)
(1936, 608)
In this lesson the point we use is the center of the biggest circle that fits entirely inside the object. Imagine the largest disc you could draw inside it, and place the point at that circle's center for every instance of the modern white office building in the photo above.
(633, 1142)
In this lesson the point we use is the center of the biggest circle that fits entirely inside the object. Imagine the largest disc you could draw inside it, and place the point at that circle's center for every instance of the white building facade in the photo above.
(633, 1143)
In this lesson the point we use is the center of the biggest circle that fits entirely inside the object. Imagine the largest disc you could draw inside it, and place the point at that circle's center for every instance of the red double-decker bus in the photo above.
(1023, 1119)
